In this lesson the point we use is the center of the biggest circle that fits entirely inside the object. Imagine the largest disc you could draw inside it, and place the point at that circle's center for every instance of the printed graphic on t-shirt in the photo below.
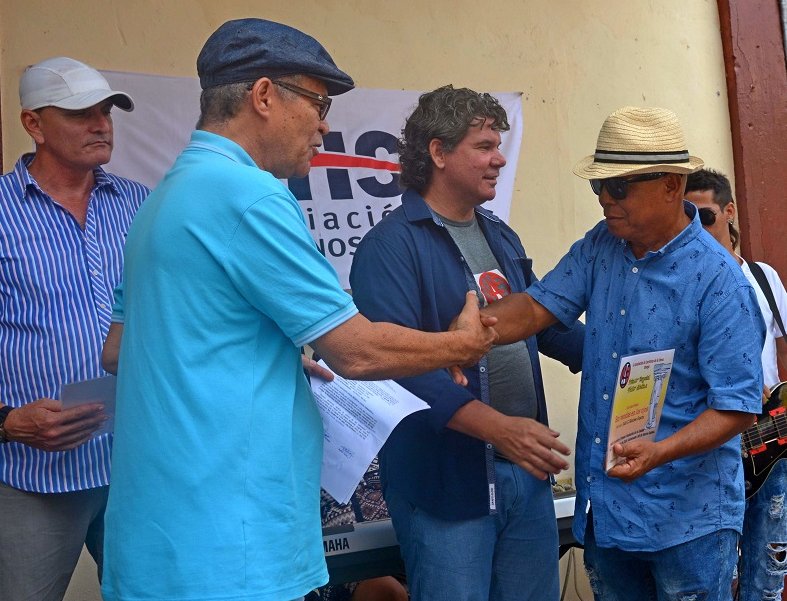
(493, 285)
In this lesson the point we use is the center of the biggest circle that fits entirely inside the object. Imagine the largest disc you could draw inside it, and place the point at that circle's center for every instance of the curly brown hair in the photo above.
(446, 114)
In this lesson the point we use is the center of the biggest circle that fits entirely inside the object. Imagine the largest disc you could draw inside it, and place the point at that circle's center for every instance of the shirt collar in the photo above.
(205, 140)
(24, 181)
(686, 235)
(416, 209)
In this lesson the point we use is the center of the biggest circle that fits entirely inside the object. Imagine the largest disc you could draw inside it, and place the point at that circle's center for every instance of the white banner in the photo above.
(353, 182)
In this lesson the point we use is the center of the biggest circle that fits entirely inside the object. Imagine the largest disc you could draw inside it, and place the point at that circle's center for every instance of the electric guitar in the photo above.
(765, 443)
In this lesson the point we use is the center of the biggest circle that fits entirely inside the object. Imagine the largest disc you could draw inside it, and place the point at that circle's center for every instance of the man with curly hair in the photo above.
(465, 481)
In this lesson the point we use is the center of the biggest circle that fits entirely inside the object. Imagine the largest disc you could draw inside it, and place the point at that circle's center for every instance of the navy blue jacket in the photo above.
(408, 270)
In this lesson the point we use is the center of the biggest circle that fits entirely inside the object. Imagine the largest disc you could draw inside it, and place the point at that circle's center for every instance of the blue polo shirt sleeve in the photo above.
(386, 287)
(278, 269)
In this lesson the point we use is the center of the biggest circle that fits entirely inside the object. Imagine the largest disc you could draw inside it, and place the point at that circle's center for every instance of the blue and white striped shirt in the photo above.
(56, 282)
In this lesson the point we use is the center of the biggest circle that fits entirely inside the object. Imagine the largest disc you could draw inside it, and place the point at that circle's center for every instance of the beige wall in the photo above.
(574, 60)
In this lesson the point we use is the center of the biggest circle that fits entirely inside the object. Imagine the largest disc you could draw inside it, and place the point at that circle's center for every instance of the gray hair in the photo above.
(219, 104)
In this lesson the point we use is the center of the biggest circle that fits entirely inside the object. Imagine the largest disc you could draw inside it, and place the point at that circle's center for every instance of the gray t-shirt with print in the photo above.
(511, 386)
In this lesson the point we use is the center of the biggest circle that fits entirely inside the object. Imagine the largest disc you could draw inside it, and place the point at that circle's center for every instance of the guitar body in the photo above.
(765, 443)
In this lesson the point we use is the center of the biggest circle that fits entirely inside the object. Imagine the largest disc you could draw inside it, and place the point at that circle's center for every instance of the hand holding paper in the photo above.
(634, 458)
(636, 409)
(357, 419)
(44, 424)
(99, 391)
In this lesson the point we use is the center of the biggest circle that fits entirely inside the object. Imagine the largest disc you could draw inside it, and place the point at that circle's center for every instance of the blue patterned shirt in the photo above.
(56, 282)
(690, 296)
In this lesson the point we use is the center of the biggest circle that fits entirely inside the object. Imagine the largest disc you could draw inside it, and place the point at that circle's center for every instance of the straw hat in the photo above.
(638, 140)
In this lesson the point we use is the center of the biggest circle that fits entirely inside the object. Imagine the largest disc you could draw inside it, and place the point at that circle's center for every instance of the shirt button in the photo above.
(95, 272)
(588, 478)
(482, 369)
(634, 269)
(622, 311)
(614, 355)
(605, 397)
(597, 440)
(489, 446)
(102, 305)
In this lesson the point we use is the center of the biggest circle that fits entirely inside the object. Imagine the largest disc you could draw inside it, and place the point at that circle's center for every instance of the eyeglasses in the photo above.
(707, 216)
(324, 102)
(618, 187)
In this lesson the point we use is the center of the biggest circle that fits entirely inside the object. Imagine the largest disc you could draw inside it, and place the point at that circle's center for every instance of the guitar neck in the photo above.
(771, 425)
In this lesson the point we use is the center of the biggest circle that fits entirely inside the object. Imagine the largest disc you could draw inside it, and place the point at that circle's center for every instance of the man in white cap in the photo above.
(218, 441)
(662, 523)
(63, 221)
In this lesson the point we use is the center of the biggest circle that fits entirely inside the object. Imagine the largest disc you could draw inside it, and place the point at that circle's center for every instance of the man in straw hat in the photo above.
(664, 521)
(63, 221)
(218, 441)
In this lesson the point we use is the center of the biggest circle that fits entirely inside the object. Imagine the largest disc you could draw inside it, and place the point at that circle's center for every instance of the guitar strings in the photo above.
(776, 426)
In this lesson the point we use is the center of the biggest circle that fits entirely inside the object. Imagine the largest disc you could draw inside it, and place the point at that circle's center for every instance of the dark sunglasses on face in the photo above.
(707, 216)
(324, 102)
(618, 187)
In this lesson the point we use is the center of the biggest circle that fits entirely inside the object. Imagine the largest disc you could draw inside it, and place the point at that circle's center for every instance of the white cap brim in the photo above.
(87, 99)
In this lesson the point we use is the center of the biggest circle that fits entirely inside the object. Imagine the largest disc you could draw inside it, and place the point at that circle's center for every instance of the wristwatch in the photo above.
(4, 411)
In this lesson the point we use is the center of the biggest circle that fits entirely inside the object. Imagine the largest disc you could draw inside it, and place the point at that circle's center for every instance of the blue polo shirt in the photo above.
(408, 270)
(690, 296)
(218, 442)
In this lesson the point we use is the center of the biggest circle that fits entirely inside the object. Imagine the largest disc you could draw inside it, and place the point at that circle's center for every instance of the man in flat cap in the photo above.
(63, 221)
(216, 464)
(663, 522)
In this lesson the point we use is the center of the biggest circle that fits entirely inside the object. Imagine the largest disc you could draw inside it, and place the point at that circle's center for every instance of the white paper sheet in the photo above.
(98, 390)
(357, 419)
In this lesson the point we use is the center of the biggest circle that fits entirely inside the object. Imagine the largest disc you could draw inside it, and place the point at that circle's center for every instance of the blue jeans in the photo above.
(764, 541)
(699, 570)
(512, 555)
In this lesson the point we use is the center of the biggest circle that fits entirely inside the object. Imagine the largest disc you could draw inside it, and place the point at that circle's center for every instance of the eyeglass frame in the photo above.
(322, 100)
(619, 188)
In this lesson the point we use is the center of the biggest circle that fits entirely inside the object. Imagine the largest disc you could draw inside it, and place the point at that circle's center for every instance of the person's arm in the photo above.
(45, 425)
(732, 403)
(566, 346)
(518, 317)
(387, 282)
(781, 357)
(360, 349)
(524, 441)
(111, 350)
(711, 429)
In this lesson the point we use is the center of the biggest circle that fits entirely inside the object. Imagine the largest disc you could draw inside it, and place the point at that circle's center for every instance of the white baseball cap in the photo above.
(68, 84)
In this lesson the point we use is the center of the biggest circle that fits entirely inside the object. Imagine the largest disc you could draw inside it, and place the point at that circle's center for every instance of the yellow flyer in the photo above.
(639, 398)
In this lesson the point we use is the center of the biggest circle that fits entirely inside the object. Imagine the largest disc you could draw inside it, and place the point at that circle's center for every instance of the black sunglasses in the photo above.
(707, 216)
(618, 187)
(324, 102)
